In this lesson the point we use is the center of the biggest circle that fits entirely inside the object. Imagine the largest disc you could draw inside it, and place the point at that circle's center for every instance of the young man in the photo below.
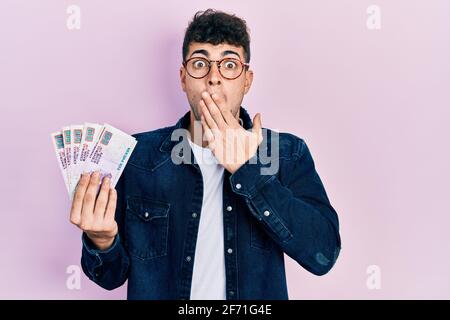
(216, 227)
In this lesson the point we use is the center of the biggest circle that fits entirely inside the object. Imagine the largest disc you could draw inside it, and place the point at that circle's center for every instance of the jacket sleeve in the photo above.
(296, 213)
(108, 268)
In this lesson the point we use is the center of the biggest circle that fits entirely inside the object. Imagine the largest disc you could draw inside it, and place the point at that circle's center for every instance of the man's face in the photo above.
(230, 91)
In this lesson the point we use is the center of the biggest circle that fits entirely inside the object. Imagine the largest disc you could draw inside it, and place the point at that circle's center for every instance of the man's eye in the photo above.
(230, 65)
(199, 64)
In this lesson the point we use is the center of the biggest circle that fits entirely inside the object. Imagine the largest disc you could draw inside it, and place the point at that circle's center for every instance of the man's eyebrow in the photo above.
(206, 53)
(230, 52)
(201, 51)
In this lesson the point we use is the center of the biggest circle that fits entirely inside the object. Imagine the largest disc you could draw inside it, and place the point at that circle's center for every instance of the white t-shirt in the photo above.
(208, 279)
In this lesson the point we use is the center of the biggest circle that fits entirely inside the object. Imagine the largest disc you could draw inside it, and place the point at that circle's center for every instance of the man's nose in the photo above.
(214, 77)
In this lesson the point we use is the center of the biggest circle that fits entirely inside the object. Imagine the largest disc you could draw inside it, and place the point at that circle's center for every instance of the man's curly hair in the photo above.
(216, 27)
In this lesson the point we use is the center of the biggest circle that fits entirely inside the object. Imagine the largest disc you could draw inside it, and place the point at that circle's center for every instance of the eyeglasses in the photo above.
(229, 68)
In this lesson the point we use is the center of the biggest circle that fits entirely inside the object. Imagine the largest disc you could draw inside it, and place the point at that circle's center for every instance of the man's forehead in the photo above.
(211, 50)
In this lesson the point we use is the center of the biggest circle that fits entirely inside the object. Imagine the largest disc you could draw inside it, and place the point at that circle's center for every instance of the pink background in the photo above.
(373, 106)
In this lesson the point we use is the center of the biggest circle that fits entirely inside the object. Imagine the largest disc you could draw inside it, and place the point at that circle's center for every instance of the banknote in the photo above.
(76, 134)
(111, 153)
(67, 135)
(84, 140)
(91, 147)
(58, 145)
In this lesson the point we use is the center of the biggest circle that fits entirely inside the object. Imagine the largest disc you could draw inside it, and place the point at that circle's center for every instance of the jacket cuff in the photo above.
(95, 258)
(249, 178)
(248, 181)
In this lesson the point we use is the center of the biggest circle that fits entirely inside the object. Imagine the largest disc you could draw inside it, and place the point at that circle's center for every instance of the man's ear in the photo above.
(248, 80)
(183, 78)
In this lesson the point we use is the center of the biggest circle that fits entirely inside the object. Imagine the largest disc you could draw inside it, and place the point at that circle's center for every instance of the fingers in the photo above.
(226, 113)
(89, 199)
(214, 111)
(77, 202)
(102, 198)
(207, 116)
(111, 207)
(257, 127)
(208, 134)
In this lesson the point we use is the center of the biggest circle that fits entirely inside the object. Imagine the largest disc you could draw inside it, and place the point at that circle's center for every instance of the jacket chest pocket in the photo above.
(146, 227)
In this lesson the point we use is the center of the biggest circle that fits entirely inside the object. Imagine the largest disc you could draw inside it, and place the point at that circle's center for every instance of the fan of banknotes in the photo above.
(91, 147)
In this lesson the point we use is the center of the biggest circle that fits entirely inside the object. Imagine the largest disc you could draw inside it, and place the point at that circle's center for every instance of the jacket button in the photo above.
(229, 208)
(238, 186)
(266, 213)
(230, 251)
(188, 258)
(194, 215)
(146, 214)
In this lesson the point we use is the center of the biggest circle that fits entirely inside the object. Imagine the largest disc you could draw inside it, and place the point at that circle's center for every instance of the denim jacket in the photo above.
(159, 202)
